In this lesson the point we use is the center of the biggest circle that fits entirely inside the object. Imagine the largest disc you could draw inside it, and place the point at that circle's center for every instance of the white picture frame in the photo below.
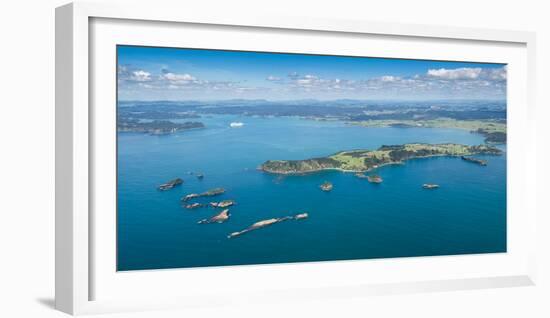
(76, 162)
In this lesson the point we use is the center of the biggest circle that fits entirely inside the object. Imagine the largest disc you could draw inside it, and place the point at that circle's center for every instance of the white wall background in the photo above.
(27, 158)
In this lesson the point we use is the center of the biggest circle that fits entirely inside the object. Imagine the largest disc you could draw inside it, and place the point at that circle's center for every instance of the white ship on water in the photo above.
(236, 124)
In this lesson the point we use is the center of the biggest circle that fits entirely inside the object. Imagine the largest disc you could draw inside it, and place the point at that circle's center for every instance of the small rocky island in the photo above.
(326, 186)
(268, 222)
(374, 178)
(194, 206)
(366, 160)
(430, 186)
(475, 160)
(218, 218)
(209, 193)
(170, 184)
(222, 204)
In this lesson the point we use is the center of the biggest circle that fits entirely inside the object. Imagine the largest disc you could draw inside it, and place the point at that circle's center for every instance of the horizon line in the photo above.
(316, 100)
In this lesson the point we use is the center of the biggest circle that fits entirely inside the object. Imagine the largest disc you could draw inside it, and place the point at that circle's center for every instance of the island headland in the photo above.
(366, 160)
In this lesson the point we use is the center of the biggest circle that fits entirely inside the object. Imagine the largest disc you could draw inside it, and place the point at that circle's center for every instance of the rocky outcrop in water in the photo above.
(170, 184)
(475, 160)
(222, 204)
(326, 186)
(375, 178)
(194, 206)
(209, 193)
(268, 222)
(218, 218)
(430, 186)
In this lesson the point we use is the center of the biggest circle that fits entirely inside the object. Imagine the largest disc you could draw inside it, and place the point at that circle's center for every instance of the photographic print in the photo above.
(244, 158)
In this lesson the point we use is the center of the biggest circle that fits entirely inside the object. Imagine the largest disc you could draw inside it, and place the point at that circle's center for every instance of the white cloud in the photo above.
(178, 78)
(496, 74)
(145, 85)
(475, 76)
(467, 82)
(457, 73)
(272, 78)
(389, 78)
(435, 82)
(304, 81)
(141, 76)
(293, 75)
(125, 74)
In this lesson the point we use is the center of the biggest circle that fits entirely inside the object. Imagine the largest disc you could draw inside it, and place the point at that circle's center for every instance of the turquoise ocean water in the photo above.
(357, 220)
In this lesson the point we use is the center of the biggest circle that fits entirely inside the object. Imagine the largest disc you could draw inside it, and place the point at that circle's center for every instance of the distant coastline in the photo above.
(477, 116)
(155, 127)
(494, 131)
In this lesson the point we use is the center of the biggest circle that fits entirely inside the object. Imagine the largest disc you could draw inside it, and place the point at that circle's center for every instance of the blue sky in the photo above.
(150, 73)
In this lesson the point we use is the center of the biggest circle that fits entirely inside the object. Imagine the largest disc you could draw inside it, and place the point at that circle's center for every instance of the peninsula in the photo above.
(494, 131)
(366, 160)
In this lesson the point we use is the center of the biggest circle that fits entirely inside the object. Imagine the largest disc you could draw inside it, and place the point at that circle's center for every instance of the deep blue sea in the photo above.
(357, 220)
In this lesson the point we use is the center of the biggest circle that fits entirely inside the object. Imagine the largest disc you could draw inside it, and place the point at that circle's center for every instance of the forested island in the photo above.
(366, 160)
(155, 127)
